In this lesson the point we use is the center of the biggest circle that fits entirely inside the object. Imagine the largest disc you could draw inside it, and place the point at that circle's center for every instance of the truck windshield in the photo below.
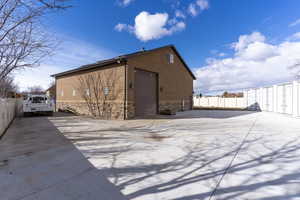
(38, 100)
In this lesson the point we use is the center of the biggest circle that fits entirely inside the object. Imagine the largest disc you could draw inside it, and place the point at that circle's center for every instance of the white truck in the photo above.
(38, 104)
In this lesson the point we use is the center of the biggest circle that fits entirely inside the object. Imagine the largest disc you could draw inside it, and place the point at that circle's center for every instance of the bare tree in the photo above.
(35, 90)
(99, 90)
(23, 43)
(51, 91)
(7, 86)
(84, 87)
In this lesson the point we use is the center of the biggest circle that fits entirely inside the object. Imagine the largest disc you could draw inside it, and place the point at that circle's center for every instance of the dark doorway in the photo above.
(145, 93)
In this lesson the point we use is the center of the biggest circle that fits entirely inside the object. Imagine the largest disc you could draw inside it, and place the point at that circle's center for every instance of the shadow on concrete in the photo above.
(38, 162)
(254, 107)
(55, 114)
(194, 114)
(262, 169)
(252, 174)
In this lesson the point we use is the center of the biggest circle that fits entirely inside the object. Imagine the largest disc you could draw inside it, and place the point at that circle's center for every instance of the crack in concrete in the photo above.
(232, 160)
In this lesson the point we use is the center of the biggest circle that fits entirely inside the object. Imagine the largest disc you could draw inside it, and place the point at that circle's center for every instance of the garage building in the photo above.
(140, 84)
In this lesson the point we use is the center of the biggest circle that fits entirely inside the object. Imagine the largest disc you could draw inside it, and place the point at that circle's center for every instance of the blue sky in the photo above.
(204, 31)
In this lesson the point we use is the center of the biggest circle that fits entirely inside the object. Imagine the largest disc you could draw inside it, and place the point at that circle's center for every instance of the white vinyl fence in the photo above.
(9, 108)
(220, 102)
(282, 98)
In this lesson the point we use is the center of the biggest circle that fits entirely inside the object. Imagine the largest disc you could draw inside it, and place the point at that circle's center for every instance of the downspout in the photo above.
(125, 89)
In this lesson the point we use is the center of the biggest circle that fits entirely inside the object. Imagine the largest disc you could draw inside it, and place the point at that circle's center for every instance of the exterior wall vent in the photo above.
(170, 57)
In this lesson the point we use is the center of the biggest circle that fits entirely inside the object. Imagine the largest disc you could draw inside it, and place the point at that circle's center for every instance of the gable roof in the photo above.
(121, 58)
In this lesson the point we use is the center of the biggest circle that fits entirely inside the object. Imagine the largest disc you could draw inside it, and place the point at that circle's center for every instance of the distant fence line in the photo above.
(280, 98)
(220, 102)
(9, 109)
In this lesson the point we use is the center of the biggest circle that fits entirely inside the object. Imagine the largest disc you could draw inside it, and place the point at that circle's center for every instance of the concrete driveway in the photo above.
(194, 155)
(38, 163)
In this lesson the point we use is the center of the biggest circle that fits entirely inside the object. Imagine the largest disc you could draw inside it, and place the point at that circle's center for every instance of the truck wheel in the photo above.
(51, 113)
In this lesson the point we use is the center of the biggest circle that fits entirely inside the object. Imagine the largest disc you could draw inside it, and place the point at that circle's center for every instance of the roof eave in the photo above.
(84, 68)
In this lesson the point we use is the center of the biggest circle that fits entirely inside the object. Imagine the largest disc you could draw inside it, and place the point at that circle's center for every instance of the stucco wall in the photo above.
(175, 82)
(175, 85)
(70, 93)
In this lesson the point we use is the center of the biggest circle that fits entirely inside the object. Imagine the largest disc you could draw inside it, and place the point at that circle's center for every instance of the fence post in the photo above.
(256, 99)
(236, 103)
(246, 99)
(261, 99)
(295, 99)
(275, 99)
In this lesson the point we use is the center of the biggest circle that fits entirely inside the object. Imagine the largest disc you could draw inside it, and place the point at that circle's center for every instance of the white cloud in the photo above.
(222, 54)
(255, 63)
(177, 27)
(295, 36)
(257, 51)
(148, 27)
(152, 26)
(295, 23)
(245, 40)
(192, 9)
(195, 8)
(180, 14)
(203, 4)
(125, 2)
(215, 52)
(120, 27)
(123, 27)
(155, 26)
(71, 54)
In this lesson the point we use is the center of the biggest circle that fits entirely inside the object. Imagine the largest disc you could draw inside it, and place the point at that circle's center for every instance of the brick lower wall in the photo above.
(174, 106)
(112, 110)
(130, 110)
(115, 110)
